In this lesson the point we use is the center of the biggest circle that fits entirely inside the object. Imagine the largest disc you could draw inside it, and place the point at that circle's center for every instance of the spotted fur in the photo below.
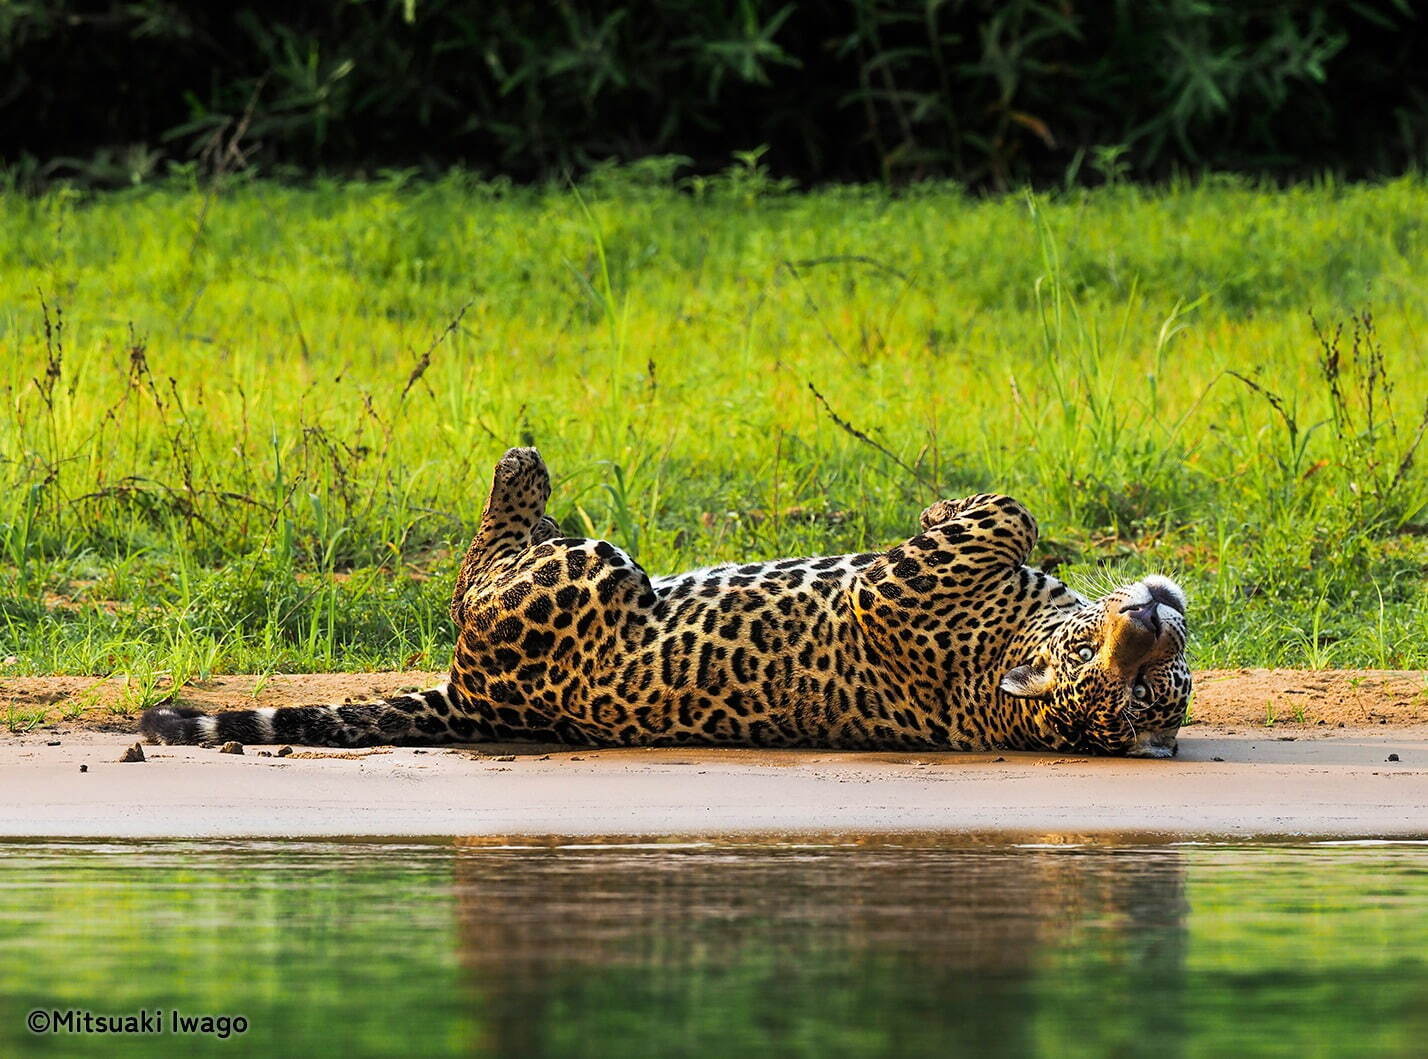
(945, 641)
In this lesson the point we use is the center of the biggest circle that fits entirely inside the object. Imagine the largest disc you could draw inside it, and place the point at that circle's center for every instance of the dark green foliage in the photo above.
(989, 92)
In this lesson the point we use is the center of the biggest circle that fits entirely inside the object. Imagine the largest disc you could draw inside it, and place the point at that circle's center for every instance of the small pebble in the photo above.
(996, 759)
(231, 747)
(83, 768)
(53, 742)
(265, 753)
(1393, 757)
(506, 757)
(134, 753)
(418, 751)
(1217, 759)
(286, 751)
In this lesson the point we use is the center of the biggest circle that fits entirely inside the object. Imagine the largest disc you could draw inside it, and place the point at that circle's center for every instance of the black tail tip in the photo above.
(170, 724)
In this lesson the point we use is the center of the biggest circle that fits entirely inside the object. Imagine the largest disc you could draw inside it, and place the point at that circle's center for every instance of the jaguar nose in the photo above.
(1146, 616)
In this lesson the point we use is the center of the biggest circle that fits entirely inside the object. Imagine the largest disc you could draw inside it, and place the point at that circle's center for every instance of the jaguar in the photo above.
(946, 641)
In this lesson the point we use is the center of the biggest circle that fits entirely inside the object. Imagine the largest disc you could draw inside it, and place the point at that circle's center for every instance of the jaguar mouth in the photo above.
(1162, 601)
(1154, 745)
(1162, 593)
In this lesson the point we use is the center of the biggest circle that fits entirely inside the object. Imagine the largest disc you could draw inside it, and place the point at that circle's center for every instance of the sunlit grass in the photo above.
(261, 419)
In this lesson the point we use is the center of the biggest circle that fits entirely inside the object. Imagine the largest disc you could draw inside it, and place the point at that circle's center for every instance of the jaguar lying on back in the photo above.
(946, 641)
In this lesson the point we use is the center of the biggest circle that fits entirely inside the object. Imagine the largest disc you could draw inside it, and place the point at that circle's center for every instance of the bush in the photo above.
(989, 92)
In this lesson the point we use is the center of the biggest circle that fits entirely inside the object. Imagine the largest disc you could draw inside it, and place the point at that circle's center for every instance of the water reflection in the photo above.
(867, 948)
(881, 949)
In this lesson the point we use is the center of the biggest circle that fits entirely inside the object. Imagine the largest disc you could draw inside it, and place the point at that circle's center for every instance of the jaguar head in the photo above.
(1108, 676)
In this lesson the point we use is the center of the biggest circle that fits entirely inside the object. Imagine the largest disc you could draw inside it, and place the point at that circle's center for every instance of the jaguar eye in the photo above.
(1085, 654)
(1140, 691)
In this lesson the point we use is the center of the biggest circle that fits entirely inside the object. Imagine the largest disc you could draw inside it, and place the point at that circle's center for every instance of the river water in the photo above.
(849, 946)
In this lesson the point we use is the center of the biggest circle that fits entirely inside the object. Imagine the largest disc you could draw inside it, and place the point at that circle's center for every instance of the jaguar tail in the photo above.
(411, 719)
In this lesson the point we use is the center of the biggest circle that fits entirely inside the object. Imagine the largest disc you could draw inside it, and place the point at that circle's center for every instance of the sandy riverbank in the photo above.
(1226, 697)
(1321, 768)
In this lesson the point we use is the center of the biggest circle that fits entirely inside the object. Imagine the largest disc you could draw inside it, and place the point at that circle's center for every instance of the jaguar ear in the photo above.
(1030, 681)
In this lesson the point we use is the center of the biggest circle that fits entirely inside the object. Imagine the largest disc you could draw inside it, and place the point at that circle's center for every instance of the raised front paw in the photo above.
(946, 510)
(988, 529)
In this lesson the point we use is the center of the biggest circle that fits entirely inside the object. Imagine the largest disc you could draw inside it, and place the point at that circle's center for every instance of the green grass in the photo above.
(260, 425)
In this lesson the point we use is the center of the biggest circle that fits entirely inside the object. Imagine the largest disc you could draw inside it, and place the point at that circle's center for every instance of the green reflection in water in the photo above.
(907, 947)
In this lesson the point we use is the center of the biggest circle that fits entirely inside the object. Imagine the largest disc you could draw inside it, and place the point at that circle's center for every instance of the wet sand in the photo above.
(1284, 780)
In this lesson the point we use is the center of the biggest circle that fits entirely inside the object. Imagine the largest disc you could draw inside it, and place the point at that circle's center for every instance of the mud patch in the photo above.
(1299, 698)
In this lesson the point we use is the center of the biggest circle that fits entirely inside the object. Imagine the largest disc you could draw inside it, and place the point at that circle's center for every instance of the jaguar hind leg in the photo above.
(513, 520)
